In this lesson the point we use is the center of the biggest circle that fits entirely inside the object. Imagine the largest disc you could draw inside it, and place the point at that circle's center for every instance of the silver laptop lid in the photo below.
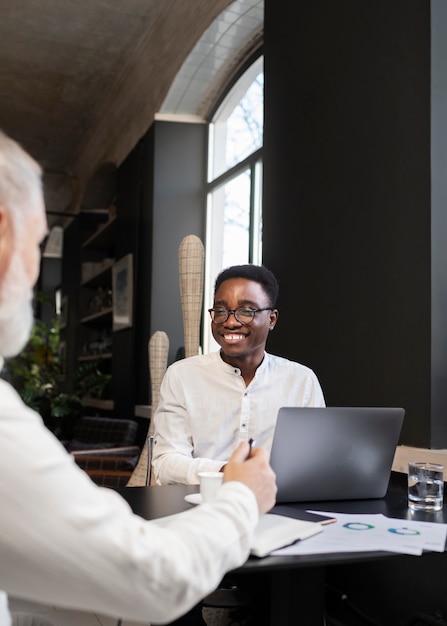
(334, 453)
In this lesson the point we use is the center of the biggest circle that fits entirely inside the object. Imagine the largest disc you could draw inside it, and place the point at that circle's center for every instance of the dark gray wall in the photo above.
(161, 189)
(178, 210)
(439, 220)
(347, 206)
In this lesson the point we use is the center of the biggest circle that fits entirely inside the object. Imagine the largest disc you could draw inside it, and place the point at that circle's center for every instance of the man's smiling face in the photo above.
(243, 341)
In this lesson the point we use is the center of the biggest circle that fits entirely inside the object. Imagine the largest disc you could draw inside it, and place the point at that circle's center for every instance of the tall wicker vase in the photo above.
(158, 348)
(191, 257)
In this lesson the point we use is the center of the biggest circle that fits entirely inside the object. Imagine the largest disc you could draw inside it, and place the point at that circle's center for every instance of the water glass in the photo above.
(425, 486)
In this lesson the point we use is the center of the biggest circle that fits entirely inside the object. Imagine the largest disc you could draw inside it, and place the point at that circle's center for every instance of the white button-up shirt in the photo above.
(66, 542)
(205, 410)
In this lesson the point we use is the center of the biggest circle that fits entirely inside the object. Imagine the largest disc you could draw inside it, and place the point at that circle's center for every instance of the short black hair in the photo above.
(257, 273)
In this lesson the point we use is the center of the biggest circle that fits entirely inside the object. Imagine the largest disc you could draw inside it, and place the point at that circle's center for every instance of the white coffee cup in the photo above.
(209, 484)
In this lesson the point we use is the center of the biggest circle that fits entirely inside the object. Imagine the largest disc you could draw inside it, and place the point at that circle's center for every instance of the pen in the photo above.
(252, 444)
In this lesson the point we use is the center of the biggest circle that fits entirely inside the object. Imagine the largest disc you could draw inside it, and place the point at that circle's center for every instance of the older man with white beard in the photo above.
(63, 540)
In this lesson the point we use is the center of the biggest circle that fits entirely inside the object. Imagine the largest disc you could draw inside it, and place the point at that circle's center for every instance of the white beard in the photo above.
(16, 310)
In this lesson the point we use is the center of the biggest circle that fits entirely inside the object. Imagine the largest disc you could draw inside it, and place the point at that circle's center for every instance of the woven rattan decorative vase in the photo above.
(158, 348)
(191, 271)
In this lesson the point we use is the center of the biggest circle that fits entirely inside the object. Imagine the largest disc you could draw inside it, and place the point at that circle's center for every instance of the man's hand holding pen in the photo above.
(251, 443)
(250, 465)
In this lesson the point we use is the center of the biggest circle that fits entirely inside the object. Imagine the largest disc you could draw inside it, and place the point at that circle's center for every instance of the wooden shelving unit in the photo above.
(96, 301)
(94, 357)
(102, 317)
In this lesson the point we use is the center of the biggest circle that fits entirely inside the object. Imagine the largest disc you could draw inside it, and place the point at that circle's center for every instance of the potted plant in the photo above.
(36, 374)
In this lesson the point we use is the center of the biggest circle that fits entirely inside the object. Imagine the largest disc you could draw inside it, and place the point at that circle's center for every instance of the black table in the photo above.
(297, 583)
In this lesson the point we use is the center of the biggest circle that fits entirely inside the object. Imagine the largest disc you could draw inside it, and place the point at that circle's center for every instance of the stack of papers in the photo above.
(370, 533)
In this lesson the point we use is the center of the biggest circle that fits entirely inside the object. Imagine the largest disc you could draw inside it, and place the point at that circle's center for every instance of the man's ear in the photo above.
(6, 240)
(273, 318)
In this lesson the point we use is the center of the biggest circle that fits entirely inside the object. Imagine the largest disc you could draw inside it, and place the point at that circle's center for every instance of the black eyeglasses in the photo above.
(244, 315)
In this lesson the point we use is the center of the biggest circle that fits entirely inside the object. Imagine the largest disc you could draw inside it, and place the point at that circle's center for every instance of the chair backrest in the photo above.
(103, 432)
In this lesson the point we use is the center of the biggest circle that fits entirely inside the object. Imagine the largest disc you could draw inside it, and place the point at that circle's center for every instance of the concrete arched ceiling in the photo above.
(81, 82)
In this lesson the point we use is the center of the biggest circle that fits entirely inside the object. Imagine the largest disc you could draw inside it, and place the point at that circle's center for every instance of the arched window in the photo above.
(234, 185)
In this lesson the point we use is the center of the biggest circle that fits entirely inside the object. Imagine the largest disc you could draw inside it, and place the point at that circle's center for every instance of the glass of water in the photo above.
(425, 486)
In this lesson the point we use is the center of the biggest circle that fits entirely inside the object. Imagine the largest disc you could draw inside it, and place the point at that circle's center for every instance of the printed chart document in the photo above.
(366, 533)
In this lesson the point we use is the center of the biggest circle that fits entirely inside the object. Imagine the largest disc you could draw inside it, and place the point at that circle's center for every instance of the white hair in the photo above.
(20, 182)
(20, 196)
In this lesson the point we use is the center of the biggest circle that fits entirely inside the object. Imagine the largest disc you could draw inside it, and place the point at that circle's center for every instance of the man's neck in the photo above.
(247, 364)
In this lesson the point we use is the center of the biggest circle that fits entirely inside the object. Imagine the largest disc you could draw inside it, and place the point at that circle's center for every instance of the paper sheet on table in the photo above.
(366, 533)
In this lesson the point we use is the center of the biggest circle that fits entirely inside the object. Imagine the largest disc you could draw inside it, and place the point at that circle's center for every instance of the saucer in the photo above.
(193, 498)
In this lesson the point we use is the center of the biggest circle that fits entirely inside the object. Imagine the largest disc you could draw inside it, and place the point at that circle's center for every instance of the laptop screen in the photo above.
(334, 453)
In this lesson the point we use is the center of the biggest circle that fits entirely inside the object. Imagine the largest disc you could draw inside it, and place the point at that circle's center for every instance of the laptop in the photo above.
(334, 453)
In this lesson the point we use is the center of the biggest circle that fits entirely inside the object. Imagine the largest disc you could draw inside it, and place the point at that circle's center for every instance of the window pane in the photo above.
(229, 218)
(239, 123)
(236, 225)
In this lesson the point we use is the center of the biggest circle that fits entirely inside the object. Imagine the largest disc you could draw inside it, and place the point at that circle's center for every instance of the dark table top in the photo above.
(156, 502)
(394, 504)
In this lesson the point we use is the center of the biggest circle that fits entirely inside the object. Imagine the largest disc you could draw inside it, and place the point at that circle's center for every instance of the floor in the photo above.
(66, 617)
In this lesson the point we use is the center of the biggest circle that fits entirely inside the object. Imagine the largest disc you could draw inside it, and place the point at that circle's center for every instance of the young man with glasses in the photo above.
(209, 403)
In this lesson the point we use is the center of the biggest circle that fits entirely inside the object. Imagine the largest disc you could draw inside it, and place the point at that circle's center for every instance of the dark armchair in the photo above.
(104, 447)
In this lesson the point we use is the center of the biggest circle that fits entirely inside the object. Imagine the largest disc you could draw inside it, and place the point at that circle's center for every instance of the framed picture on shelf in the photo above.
(122, 288)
